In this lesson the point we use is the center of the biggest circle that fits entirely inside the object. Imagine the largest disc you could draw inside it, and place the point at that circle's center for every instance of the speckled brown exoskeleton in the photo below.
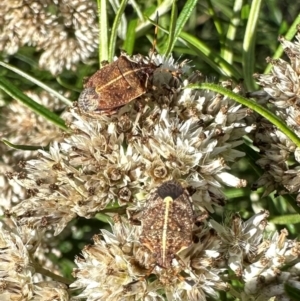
(167, 222)
(116, 84)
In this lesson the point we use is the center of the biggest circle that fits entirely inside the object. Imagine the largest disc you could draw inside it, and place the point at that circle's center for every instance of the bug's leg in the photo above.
(201, 217)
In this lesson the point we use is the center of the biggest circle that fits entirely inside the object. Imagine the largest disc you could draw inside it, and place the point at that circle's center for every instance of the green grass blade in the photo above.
(103, 28)
(181, 21)
(15, 93)
(137, 9)
(129, 42)
(37, 82)
(25, 147)
(171, 36)
(227, 53)
(286, 219)
(105, 218)
(215, 16)
(289, 36)
(292, 292)
(249, 45)
(114, 30)
(184, 16)
(211, 57)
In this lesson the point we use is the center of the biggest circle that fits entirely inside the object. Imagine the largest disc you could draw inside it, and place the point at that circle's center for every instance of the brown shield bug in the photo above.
(167, 222)
(116, 84)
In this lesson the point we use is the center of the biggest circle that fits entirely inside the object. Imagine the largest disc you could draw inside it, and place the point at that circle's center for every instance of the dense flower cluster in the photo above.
(111, 269)
(65, 31)
(18, 280)
(117, 158)
(21, 126)
(171, 132)
(279, 156)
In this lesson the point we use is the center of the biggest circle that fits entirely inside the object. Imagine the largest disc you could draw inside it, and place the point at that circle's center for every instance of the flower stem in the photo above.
(56, 277)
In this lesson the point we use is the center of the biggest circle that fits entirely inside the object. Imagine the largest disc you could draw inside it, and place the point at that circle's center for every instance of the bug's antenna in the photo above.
(155, 36)
(155, 33)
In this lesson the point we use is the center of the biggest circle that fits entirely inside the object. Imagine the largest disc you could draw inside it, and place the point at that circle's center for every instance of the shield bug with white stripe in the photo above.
(167, 222)
(116, 84)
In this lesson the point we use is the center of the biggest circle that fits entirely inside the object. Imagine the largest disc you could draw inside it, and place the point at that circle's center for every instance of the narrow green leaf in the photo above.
(27, 59)
(252, 105)
(104, 218)
(228, 47)
(170, 45)
(37, 82)
(128, 45)
(15, 93)
(286, 219)
(249, 44)
(66, 85)
(289, 36)
(137, 9)
(234, 193)
(103, 28)
(292, 202)
(252, 155)
(185, 50)
(215, 16)
(114, 30)
(122, 27)
(184, 16)
(211, 57)
(24, 147)
(292, 292)
(181, 21)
